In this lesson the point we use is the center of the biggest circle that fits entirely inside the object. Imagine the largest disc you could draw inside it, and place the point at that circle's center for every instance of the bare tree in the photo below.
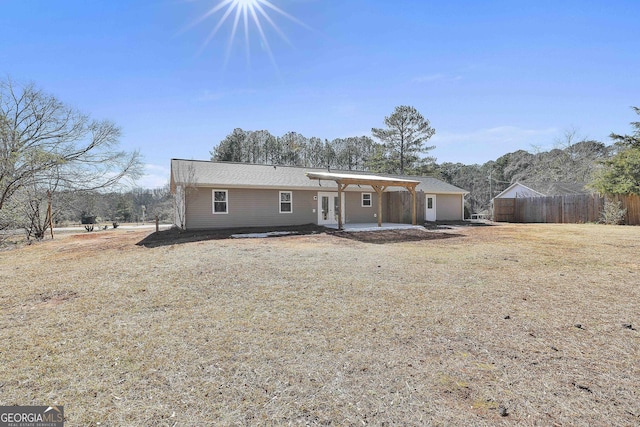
(183, 180)
(34, 215)
(580, 157)
(44, 143)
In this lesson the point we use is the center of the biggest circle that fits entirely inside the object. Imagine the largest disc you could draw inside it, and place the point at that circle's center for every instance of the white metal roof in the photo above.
(364, 178)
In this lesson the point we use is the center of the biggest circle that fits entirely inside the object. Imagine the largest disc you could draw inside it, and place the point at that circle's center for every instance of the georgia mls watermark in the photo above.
(31, 416)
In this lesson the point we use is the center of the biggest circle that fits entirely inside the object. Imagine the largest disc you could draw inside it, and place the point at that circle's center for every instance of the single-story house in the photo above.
(542, 189)
(225, 195)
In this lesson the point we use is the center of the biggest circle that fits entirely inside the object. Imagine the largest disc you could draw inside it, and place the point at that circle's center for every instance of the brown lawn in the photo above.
(503, 325)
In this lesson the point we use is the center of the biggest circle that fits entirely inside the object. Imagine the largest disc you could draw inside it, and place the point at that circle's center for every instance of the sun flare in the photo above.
(246, 14)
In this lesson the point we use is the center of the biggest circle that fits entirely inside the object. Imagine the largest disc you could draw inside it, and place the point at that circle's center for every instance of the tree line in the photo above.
(573, 162)
(607, 169)
(398, 148)
(135, 205)
(294, 149)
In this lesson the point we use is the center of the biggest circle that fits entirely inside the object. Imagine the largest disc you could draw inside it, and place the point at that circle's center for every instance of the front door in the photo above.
(328, 208)
(430, 207)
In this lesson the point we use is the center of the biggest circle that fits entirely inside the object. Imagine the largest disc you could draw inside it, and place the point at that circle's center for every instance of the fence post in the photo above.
(157, 226)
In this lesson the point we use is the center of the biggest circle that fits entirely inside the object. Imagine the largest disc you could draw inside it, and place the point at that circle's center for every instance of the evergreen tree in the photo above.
(231, 148)
(621, 173)
(404, 137)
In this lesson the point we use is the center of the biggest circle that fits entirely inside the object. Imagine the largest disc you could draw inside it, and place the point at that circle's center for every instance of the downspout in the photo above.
(463, 206)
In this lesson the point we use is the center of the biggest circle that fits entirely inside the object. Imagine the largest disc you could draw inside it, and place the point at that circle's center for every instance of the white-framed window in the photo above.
(220, 201)
(366, 200)
(286, 201)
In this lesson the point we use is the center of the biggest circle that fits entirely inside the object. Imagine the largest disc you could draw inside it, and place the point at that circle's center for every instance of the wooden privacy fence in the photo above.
(398, 207)
(563, 209)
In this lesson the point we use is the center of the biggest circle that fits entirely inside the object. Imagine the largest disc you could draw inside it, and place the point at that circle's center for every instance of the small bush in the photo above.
(613, 214)
(87, 219)
(88, 227)
(115, 224)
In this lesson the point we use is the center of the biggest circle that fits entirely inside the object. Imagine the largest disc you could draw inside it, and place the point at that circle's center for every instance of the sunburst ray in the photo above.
(246, 13)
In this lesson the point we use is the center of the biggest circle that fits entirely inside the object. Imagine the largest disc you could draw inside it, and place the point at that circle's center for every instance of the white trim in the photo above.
(377, 178)
(213, 201)
(331, 195)
(520, 184)
(280, 201)
(433, 208)
(362, 200)
(326, 186)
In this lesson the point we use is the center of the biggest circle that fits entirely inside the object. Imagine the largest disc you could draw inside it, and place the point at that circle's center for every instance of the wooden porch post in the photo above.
(379, 190)
(412, 190)
(341, 188)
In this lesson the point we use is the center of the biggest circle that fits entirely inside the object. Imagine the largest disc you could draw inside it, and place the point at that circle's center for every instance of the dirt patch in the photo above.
(176, 236)
(53, 299)
(394, 236)
(88, 236)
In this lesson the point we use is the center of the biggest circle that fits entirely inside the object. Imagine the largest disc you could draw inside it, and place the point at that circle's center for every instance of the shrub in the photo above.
(86, 218)
(613, 213)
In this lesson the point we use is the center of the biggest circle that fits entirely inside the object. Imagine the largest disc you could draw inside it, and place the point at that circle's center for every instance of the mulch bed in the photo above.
(176, 236)
(393, 236)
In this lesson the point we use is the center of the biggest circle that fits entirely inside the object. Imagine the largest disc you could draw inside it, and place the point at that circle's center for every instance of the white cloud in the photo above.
(155, 176)
(482, 145)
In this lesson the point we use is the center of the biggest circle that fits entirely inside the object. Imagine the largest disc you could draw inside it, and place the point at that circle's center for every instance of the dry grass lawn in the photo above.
(505, 325)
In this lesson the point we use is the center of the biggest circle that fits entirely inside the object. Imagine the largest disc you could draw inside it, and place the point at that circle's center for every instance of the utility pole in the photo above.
(490, 184)
(491, 192)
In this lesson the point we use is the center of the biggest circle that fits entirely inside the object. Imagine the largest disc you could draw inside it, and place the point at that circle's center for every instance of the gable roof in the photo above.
(558, 188)
(203, 173)
(542, 189)
(519, 185)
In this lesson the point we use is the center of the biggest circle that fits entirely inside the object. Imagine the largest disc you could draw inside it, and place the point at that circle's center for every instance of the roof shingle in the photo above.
(202, 173)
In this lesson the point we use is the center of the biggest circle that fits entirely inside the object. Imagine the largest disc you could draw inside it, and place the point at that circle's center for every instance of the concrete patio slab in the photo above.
(374, 227)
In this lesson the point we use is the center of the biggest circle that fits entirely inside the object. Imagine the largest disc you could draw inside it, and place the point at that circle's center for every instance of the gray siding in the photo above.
(249, 208)
(260, 208)
(355, 213)
(449, 207)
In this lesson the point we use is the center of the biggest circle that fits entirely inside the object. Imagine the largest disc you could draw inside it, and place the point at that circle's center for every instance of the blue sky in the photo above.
(491, 76)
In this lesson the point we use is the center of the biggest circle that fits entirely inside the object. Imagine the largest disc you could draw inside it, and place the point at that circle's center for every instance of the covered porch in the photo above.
(379, 185)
